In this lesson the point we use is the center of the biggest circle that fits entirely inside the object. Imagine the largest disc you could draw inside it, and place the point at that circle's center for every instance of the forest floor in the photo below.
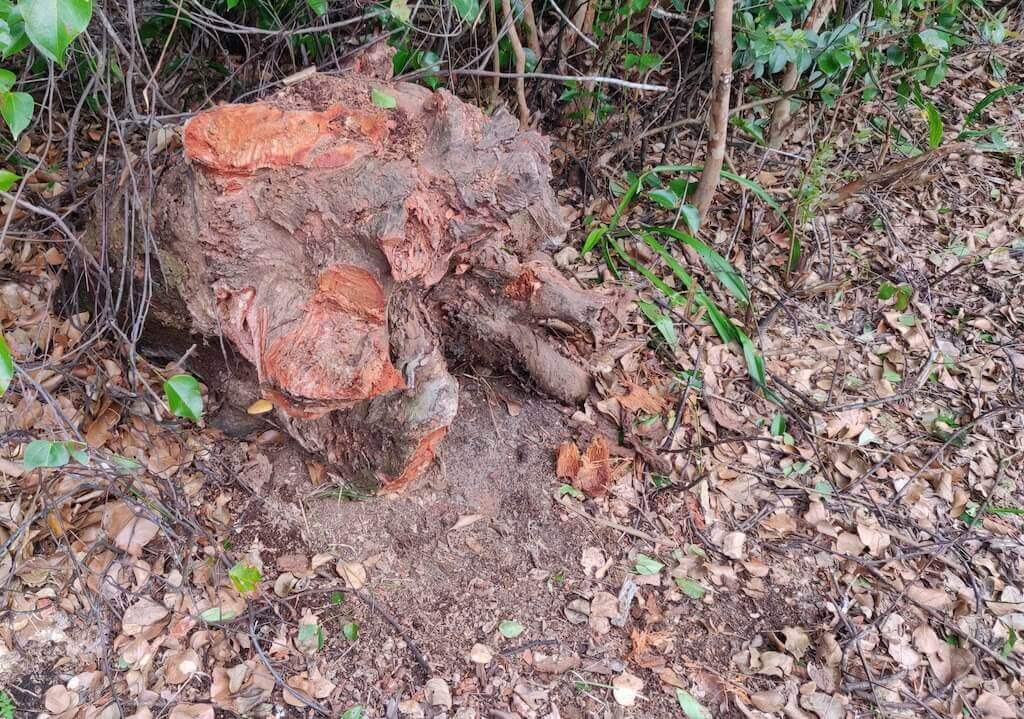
(850, 546)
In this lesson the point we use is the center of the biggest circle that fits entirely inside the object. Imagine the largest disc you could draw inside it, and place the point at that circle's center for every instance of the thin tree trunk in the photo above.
(520, 58)
(495, 58)
(530, 23)
(721, 78)
(780, 113)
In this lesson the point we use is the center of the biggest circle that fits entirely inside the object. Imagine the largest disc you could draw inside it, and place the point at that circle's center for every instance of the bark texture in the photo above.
(345, 247)
(718, 120)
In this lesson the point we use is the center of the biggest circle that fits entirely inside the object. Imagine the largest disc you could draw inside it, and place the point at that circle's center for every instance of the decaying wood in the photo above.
(346, 247)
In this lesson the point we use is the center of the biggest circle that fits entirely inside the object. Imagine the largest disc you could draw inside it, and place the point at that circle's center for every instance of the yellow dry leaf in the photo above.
(353, 573)
(260, 406)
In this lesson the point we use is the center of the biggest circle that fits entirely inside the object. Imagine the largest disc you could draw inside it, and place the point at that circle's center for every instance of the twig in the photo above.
(572, 25)
(370, 601)
(308, 701)
(529, 645)
(618, 527)
(597, 79)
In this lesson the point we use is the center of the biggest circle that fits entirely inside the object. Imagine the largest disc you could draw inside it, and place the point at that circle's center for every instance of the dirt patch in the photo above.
(481, 540)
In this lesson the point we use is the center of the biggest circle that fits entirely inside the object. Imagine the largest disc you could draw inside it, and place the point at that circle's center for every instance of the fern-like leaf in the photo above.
(6, 705)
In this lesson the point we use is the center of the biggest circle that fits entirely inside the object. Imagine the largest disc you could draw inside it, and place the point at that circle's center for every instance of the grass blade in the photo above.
(661, 321)
(984, 102)
(723, 269)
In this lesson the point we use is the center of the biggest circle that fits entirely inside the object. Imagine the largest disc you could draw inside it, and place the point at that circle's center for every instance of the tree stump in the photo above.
(347, 233)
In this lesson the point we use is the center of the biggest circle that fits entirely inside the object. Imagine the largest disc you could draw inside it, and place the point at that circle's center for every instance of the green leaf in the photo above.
(7, 705)
(383, 100)
(355, 712)
(692, 589)
(1015, 511)
(665, 197)
(723, 269)
(184, 396)
(312, 634)
(691, 216)
(6, 365)
(755, 362)
(318, 6)
(593, 238)
(510, 628)
(77, 450)
(7, 79)
(17, 109)
(44, 453)
(400, 11)
(467, 9)
(244, 578)
(218, 614)
(934, 125)
(828, 63)
(7, 180)
(1009, 644)
(661, 322)
(337, 598)
(778, 424)
(934, 41)
(51, 25)
(647, 565)
(350, 630)
(692, 708)
(751, 128)
(124, 463)
(984, 102)
(570, 490)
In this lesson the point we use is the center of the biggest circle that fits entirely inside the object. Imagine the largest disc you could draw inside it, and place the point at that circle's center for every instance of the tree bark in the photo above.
(347, 234)
(721, 83)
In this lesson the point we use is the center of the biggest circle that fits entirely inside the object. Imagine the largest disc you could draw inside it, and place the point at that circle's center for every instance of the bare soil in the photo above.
(479, 540)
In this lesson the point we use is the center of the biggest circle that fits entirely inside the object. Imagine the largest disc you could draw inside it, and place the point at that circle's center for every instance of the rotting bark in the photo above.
(345, 248)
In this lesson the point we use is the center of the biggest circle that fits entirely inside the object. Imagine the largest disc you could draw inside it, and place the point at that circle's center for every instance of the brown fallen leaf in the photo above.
(193, 711)
(639, 398)
(995, 707)
(595, 474)
(141, 616)
(568, 464)
(555, 663)
(949, 663)
(180, 666)
(626, 689)
(58, 699)
(353, 573)
(98, 431)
